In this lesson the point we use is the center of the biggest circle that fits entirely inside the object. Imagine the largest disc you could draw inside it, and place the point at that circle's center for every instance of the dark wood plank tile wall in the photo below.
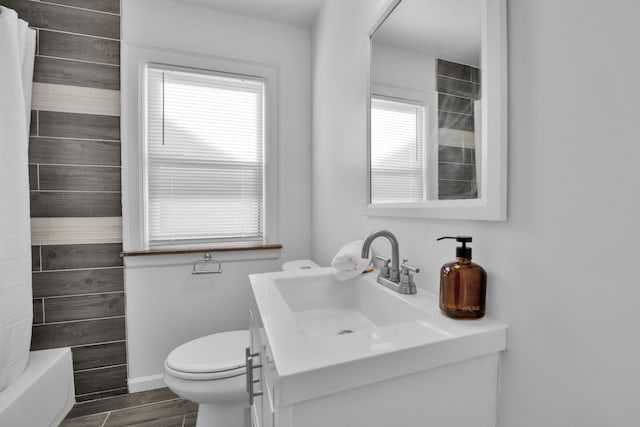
(35, 258)
(76, 282)
(72, 46)
(97, 380)
(68, 19)
(77, 333)
(76, 204)
(79, 178)
(68, 257)
(62, 71)
(74, 172)
(458, 85)
(112, 6)
(85, 126)
(74, 151)
(95, 356)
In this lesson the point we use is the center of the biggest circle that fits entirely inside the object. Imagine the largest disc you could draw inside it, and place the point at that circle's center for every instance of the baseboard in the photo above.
(150, 382)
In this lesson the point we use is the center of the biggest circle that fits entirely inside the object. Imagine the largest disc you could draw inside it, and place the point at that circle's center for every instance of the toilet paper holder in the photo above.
(200, 266)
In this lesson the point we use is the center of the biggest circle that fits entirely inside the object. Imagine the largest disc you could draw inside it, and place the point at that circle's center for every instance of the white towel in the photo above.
(348, 263)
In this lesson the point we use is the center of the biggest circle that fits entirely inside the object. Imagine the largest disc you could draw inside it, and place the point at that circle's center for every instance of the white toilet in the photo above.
(210, 371)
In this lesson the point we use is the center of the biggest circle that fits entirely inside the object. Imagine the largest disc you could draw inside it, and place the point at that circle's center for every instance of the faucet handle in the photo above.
(383, 259)
(384, 271)
(406, 278)
(406, 268)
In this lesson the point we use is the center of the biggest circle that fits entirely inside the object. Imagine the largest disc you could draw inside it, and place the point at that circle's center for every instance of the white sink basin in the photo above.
(322, 305)
(340, 335)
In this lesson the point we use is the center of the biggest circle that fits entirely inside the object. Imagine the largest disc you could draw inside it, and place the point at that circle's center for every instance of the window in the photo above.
(204, 145)
(397, 151)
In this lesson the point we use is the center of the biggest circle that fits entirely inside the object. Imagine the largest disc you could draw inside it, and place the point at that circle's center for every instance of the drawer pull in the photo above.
(249, 372)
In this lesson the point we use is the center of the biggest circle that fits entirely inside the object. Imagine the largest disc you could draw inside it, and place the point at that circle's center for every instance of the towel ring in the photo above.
(200, 266)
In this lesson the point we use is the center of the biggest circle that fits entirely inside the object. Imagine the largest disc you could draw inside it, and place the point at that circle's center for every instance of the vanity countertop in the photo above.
(408, 333)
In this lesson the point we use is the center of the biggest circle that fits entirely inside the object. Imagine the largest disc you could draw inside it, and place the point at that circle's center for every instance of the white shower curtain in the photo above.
(17, 48)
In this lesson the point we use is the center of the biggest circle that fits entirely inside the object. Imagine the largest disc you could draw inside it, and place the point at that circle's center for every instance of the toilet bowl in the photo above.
(210, 371)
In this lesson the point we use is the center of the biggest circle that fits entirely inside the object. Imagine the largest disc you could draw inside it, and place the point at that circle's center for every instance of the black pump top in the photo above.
(461, 251)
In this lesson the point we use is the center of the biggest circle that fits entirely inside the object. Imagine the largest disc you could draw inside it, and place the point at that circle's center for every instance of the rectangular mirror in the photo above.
(437, 123)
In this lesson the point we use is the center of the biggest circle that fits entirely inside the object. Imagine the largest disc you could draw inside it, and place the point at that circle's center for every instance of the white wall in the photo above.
(166, 305)
(561, 268)
(409, 74)
(405, 69)
(339, 62)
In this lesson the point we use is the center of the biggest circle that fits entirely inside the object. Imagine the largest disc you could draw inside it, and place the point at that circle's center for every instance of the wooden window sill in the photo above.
(204, 249)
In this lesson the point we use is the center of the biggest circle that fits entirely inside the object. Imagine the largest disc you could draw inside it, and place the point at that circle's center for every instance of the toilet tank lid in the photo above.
(211, 353)
(299, 264)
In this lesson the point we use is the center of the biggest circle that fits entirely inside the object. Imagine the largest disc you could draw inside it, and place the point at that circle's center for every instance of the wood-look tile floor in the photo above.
(154, 408)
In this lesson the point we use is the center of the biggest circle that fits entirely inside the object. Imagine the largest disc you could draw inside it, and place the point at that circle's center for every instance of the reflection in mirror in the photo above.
(397, 150)
(437, 123)
(425, 98)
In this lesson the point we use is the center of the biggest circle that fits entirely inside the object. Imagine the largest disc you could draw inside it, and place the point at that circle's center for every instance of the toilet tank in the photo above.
(299, 264)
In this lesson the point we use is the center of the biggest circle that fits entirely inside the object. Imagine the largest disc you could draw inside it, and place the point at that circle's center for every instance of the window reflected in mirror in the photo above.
(397, 150)
(425, 103)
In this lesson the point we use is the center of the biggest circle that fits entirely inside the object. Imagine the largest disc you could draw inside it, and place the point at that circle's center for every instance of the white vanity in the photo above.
(331, 353)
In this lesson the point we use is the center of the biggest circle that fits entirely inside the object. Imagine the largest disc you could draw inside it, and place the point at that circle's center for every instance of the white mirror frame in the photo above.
(492, 203)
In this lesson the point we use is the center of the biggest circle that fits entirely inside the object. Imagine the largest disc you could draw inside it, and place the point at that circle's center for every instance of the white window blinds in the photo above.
(397, 151)
(204, 157)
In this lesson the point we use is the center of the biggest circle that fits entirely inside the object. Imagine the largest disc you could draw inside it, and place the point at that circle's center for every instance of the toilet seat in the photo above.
(212, 357)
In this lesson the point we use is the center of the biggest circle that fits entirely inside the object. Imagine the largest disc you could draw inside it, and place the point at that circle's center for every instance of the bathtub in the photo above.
(43, 395)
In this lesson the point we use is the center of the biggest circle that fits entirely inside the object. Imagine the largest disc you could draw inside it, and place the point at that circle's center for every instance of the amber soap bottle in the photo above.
(463, 284)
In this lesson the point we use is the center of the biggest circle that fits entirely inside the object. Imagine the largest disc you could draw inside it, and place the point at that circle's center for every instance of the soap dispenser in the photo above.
(463, 284)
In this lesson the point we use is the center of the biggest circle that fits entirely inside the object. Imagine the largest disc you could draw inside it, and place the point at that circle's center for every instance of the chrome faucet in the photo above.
(398, 277)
